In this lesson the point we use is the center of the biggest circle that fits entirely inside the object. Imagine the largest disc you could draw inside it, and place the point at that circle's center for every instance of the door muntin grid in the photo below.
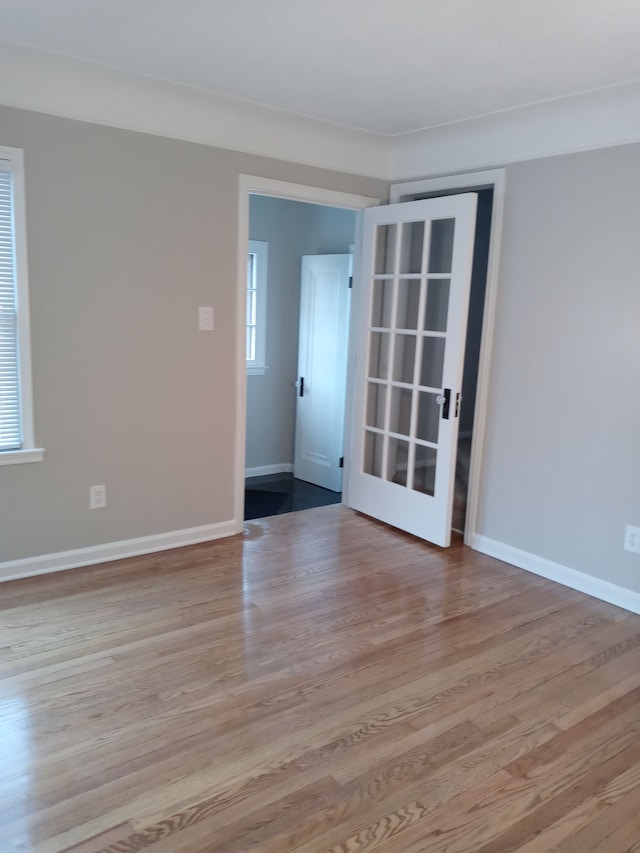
(407, 338)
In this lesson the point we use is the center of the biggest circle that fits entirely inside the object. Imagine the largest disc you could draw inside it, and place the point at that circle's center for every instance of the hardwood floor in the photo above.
(321, 683)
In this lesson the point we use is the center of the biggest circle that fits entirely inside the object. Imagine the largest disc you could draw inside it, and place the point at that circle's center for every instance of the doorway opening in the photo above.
(406, 191)
(489, 187)
(249, 185)
(473, 341)
(297, 344)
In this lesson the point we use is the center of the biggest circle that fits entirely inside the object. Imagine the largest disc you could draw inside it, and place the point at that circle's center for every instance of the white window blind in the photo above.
(10, 409)
(17, 443)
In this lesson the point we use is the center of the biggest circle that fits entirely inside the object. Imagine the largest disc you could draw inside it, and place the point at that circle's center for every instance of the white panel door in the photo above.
(322, 369)
(412, 305)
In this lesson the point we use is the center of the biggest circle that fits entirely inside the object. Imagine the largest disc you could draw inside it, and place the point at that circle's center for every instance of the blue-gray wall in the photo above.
(291, 229)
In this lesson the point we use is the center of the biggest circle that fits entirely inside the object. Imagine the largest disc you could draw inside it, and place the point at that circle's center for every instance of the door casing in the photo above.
(255, 185)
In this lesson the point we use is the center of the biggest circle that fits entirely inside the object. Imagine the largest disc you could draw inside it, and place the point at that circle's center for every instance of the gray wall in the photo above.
(291, 229)
(561, 473)
(127, 235)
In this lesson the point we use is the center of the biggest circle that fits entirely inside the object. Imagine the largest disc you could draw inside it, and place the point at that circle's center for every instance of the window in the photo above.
(16, 413)
(256, 306)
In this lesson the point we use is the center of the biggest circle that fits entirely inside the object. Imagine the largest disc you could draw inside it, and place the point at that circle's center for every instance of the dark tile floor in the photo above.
(275, 494)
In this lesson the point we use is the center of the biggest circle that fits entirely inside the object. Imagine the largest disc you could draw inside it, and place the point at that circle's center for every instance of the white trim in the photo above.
(350, 423)
(263, 470)
(475, 180)
(84, 91)
(17, 457)
(248, 185)
(300, 192)
(79, 557)
(590, 585)
(601, 118)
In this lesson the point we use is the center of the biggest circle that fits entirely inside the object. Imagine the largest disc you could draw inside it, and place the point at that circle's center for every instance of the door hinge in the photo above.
(341, 465)
(350, 281)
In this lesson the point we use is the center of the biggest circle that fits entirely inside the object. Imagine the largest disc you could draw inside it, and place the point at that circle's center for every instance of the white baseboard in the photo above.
(605, 591)
(263, 470)
(63, 560)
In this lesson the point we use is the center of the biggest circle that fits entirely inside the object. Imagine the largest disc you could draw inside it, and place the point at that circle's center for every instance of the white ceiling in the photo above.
(386, 66)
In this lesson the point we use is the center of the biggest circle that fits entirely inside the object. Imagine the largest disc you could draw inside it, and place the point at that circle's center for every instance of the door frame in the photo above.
(254, 185)
(496, 180)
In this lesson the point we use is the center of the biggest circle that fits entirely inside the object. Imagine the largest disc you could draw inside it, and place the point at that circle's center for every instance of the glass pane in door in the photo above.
(408, 313)
(400, 414)
(424, 470)
(376, 398)
(404, 358)
(382, 303)
(441, 249)
(428, 417)
(379, 355)
(412, 247)
(385, 257)
(432, 366)
(398, 461)
(437, 305)
(373, 446)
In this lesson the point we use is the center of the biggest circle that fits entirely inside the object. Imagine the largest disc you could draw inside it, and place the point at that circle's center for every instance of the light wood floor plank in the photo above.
(320, 684)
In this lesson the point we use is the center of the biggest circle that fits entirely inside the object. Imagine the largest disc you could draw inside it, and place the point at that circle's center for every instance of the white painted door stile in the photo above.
(410, 337)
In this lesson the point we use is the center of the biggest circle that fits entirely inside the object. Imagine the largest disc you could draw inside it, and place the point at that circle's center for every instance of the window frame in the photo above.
(257, 366)
(12, 160)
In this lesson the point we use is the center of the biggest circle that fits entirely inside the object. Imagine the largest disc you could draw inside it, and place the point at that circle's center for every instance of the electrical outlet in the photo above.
(632, 539)
(97, 497)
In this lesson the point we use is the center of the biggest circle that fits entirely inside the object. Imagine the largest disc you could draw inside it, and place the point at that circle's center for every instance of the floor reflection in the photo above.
(14, 773)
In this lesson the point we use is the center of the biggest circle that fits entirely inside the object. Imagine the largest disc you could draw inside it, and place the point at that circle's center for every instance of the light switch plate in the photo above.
(205, 318)
(97, 497)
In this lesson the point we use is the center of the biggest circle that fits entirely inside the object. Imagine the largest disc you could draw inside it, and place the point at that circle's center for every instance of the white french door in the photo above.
(412, 304)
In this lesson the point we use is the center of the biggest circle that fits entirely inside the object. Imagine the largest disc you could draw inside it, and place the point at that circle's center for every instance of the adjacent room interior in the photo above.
(299, 245)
